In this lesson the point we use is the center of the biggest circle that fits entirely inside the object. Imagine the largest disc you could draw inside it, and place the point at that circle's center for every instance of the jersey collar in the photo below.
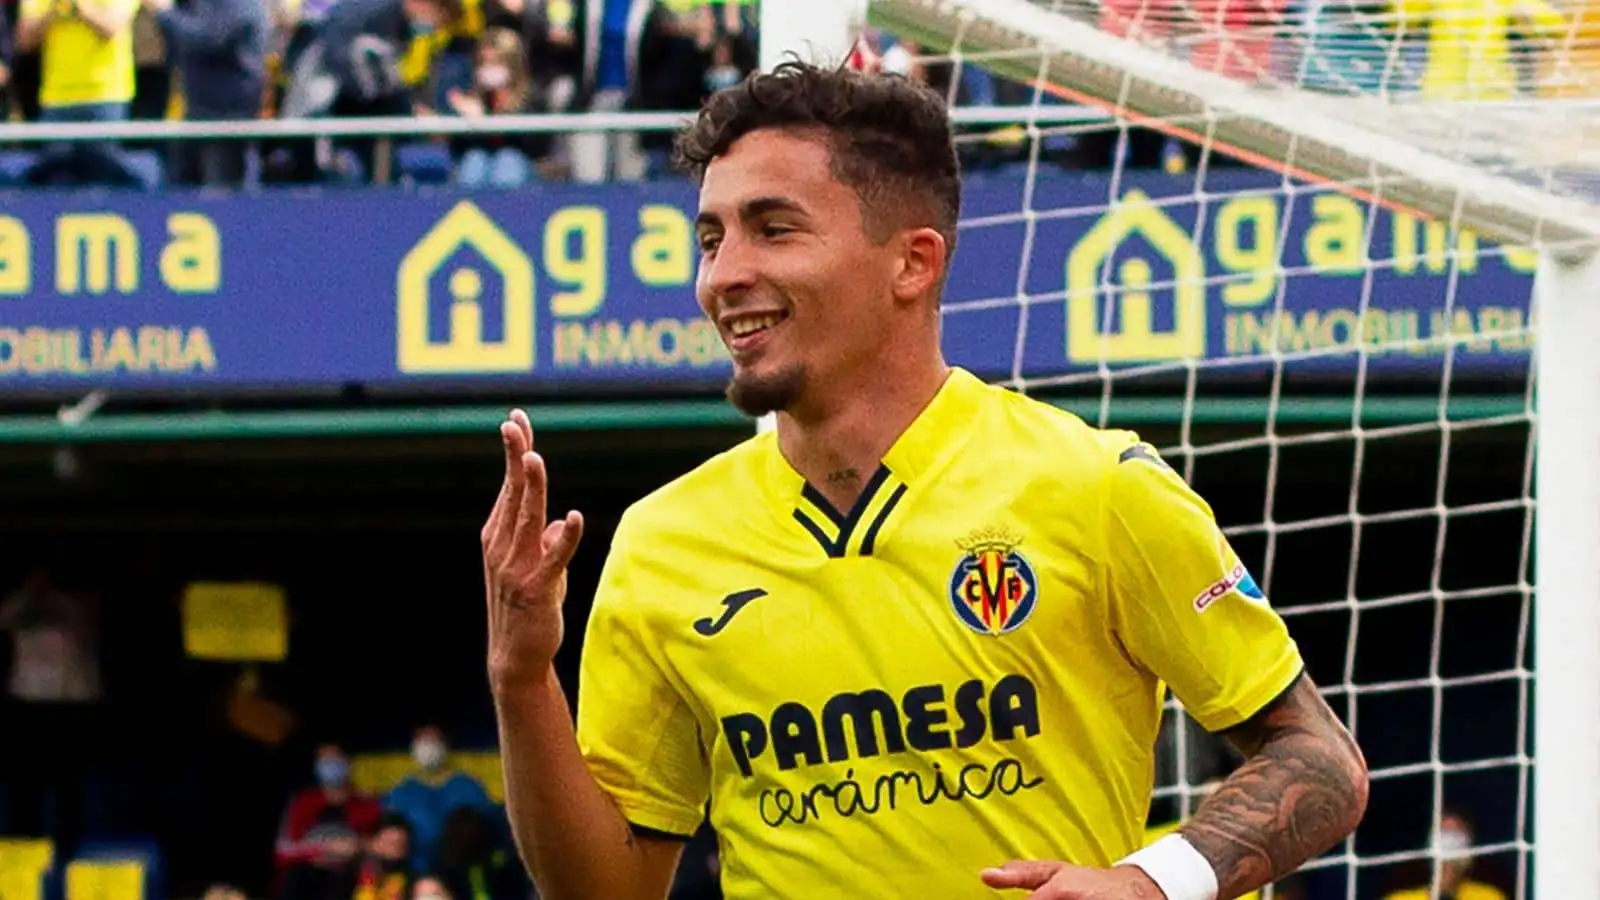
(931, 439)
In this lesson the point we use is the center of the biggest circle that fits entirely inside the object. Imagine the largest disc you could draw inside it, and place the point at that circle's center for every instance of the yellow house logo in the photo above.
(1137, 340)
(464, 349)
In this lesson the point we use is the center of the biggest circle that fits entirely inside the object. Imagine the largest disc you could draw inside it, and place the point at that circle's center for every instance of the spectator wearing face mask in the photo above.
(1452, 848)
(503, 87)
(323, 824)
(426, 797)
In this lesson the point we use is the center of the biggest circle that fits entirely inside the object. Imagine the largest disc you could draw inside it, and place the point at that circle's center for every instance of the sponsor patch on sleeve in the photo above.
(1237, 579)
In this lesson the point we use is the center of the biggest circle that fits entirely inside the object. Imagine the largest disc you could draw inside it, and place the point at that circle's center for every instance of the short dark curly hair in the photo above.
(890, 138)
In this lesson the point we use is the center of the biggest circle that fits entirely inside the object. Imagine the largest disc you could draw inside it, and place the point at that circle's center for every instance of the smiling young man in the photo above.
(914, 643)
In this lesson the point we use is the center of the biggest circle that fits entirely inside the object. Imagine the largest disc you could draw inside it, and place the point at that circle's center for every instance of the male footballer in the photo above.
(914, 643)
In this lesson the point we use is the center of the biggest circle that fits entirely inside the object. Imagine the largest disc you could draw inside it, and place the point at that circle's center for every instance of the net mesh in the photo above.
(1348, 385)
(1481, 112)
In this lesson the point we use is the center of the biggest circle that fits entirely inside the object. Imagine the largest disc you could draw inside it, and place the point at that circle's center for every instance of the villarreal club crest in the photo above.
(993, 588)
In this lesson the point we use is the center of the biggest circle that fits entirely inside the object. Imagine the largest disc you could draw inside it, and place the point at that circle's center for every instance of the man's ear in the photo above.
(921, 263)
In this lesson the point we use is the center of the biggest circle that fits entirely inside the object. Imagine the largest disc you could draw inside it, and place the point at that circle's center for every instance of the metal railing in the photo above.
(430, 126)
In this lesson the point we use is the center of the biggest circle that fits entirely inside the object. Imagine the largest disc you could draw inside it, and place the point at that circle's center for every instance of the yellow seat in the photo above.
(23, 864)
(483, 765)
(105, 879)
(378, 773)
(235, 621)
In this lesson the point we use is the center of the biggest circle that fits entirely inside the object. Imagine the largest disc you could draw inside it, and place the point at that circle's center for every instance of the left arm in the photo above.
(1302, 789)
(1187, 611)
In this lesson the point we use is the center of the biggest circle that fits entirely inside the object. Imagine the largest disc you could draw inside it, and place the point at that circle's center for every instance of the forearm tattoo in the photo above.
(1302, 789)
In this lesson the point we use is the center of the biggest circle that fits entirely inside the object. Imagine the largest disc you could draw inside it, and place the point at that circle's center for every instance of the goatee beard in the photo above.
(757, 396)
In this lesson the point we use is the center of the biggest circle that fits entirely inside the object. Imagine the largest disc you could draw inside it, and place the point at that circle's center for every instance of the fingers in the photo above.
(531, 511)
(520, 419)
(560, 541)
(496, 531)
(1020, 873)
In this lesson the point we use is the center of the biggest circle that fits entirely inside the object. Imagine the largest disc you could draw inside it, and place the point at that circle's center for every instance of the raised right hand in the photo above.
(525, 564)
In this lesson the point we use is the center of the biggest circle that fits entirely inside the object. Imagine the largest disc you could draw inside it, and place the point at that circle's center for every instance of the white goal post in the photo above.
(1516, 170)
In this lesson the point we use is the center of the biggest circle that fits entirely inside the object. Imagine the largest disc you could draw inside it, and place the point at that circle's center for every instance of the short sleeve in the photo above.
(33, 9)
(1184, 605)
(638, 735)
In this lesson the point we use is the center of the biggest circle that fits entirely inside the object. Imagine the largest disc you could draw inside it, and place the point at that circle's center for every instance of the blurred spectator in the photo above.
(1573, 68)
(7, 54)
(350, 66)
(681, 48)
(323, 824)
(1469, 44)
(361, 44)
(1452, 850)
(504, 86)
(475, 862)
(152, 72)
(87, 77)
(610, 33)
(374, 869)
(429, 887)
(427, 796)
(442, 57)
(384, 871)
(55, 692)
(219, 49)
(724, 71)
(25, 69)
(223, 892)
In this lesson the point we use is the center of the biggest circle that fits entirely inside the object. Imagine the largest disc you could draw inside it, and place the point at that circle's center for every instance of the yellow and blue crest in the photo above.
(993, 589)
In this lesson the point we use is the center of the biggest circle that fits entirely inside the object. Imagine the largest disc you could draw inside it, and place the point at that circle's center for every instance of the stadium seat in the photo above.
(115, 870)
(14, 166)
(94, 879)
(25, 865)
(423, 164)
(147, 164)
(377, 773)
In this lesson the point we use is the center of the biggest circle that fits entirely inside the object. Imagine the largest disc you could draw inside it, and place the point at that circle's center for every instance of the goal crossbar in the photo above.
(1287, 131)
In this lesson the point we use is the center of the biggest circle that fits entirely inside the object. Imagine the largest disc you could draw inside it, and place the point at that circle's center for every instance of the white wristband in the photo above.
(1177, 868)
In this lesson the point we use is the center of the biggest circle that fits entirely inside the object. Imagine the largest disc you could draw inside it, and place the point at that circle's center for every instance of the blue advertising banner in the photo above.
(568, 287)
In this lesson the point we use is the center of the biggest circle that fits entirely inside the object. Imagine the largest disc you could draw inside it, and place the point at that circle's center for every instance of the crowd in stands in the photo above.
(229, 60)
(109, 60)
(435, 834)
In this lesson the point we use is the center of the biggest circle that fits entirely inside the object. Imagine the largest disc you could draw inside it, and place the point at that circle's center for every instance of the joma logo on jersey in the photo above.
(869, 723)
(1237, 579)
(993, 588)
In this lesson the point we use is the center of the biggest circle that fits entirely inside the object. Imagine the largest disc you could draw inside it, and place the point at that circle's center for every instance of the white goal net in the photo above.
(1295, 245)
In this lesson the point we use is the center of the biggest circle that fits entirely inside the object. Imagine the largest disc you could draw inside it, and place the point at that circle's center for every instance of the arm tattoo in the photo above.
(1302, 789)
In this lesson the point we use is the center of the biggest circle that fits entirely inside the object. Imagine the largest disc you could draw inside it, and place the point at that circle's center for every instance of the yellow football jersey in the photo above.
(964, 668)
(79, 65)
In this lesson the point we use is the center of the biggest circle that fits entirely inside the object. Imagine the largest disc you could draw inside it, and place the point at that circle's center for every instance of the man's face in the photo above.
(799, 291)
(423, 13)
(1454, 842)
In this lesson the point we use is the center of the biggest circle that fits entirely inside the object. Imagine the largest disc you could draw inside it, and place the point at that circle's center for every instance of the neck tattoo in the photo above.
(844, 476)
